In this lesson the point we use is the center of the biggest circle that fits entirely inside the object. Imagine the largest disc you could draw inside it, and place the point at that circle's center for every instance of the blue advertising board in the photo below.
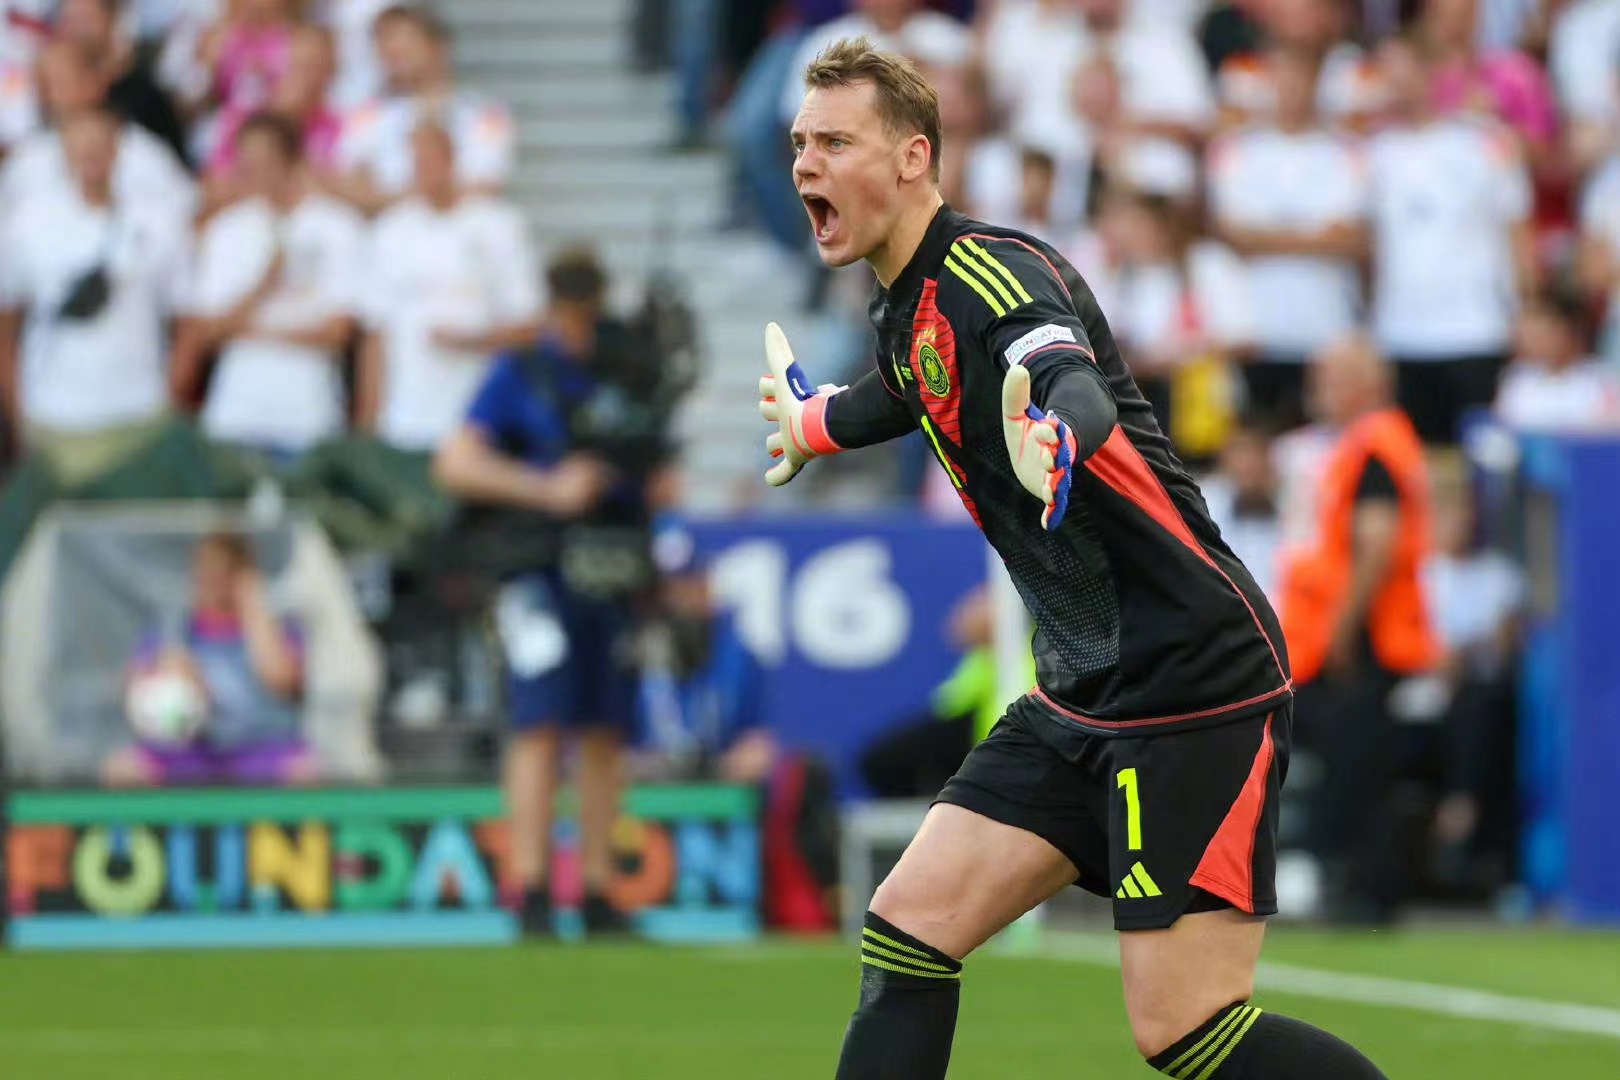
(1569, 746)
(847, 616)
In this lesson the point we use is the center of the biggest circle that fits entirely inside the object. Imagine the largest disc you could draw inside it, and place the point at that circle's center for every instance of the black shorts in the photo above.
(1165, 824)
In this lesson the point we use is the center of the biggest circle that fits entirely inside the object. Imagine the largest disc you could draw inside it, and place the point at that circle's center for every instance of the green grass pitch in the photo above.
(770, 1012)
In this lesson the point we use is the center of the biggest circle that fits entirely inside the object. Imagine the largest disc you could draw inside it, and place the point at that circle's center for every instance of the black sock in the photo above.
(903, 1026)
(1242, 1042)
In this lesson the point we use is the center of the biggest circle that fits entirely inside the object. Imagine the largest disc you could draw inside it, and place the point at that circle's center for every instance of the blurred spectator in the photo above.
(89, 279)
(375, 153)
(277, 288)
(1598, 261)
(1584, 58)
(1355, 617)
(1182, 310)
(702, 691)
(452, 280)
(1036, 188)
(1554, 384)
(1025, 48)
(359, 70)
(181, 67)
(1348, 87)
(72, 79)
(1453, 249)
(1476, 595)
(24, 26)
(1242, 498)
(1164, 88)
(216, 700)
(1291, 196)
(964, 122)
(553, 430)
(1503, 83)
(703, 708)
(1230, 28)
(300, 98)
(914, 757)
(902, 26)
(247, 53)
(694, 42)
(131, 92)
(1116, 78)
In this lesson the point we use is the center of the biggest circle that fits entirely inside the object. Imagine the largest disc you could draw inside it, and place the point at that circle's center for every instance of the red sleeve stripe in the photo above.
(1120, 465)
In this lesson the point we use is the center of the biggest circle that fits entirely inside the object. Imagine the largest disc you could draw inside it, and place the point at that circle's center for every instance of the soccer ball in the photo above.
(165, 708)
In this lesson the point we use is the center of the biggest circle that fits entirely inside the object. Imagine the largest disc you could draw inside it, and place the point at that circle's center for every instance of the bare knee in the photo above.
(1176, 979)
(534, 742)
(1157, 1027)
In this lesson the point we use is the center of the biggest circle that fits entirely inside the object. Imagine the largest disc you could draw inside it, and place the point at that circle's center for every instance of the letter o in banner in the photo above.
(133, 895)
(650, 884)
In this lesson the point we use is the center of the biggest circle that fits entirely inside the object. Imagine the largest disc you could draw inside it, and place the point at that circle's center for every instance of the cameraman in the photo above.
(569, 436)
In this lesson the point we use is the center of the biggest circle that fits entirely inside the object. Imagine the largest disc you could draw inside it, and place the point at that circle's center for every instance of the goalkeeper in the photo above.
(1145, 764)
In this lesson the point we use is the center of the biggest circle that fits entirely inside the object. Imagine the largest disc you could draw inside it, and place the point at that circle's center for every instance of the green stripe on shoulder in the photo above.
(999, 267)
(976, 285)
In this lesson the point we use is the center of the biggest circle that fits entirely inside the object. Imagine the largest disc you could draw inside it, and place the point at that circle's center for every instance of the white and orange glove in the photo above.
(801, 413)
(1042, 448)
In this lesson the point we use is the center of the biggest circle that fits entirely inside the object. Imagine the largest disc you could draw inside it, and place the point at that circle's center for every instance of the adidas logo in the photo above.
(1137, 884)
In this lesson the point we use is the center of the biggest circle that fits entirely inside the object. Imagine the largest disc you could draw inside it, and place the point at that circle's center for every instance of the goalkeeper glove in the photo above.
(1042, 448)
(800, 413)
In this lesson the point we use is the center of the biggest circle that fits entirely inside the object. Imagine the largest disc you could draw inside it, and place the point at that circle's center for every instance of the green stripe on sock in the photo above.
(867, 931)
(1214, 1046)
(1237, 1037)
(1231, 1020)
(886, 966)
(900, 958)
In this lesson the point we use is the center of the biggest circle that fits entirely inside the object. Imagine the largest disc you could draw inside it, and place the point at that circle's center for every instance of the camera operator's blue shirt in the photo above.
(524, 421)
(520, 420)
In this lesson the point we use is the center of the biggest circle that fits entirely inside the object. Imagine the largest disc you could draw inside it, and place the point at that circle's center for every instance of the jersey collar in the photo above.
(930, 253)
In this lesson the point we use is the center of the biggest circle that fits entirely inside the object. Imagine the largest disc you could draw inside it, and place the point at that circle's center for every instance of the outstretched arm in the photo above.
(825, 420)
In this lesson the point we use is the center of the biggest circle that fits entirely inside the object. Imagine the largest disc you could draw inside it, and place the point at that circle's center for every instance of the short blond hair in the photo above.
(906, 103)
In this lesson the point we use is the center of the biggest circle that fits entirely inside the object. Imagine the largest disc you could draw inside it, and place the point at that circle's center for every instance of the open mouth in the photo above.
(823, 217)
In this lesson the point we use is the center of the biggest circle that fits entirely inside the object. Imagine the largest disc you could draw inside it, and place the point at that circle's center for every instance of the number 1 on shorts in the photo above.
(1133, 809)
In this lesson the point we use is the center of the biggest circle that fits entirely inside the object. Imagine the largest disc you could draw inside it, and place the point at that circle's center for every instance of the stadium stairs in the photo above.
(596, 165)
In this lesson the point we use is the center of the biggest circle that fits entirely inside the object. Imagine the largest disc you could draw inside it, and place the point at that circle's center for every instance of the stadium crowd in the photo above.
(1243, 183)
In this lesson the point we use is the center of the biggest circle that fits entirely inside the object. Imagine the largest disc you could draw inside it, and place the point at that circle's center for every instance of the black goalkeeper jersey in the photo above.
(1144, 619)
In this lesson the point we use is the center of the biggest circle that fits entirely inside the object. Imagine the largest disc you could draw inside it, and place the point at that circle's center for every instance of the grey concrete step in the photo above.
(552, 53)
(591, 94)
(624, 173)
(628, 216)
(640, 131)
(493, 16)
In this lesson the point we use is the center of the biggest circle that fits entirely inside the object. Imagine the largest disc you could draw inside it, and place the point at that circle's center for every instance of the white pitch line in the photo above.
(1378, 990)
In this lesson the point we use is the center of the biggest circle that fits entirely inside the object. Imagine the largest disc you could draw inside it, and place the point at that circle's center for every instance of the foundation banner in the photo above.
(243, 868)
